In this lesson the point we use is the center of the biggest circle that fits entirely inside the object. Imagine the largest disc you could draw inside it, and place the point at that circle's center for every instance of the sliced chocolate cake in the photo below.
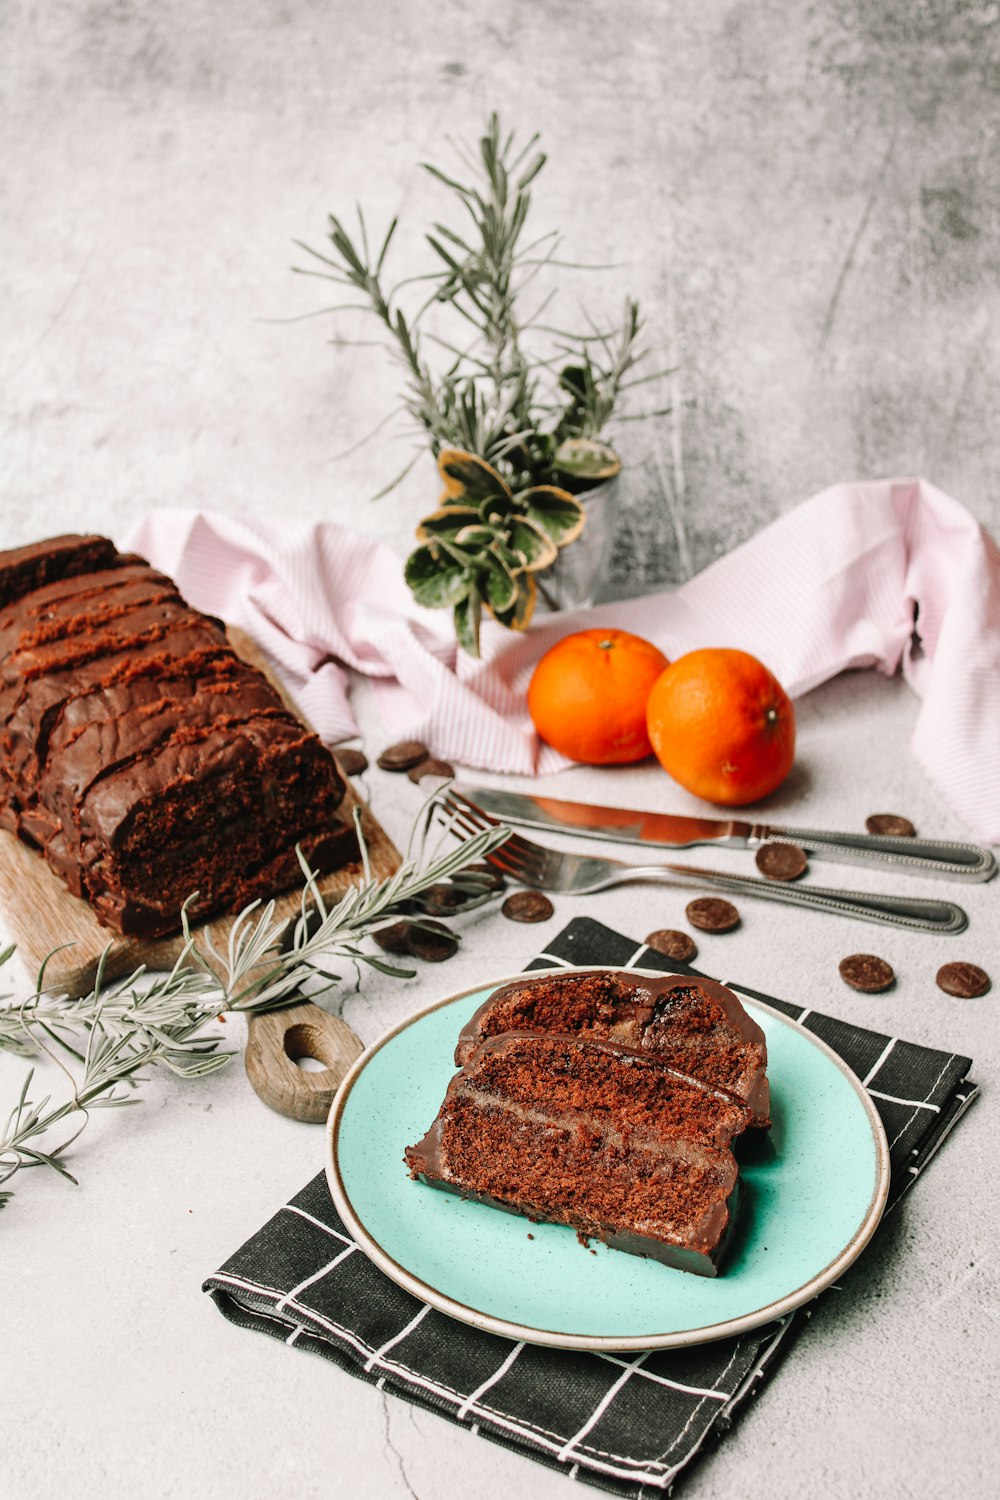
(140, 755)
(694, 1025)
(587, 1133)
(24, 735)
(23, 569)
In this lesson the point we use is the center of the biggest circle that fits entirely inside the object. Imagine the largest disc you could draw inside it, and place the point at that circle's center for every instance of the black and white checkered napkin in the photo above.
(625, 1424)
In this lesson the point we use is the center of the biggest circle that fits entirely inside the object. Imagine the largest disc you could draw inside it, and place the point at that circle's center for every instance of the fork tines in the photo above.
(514, 857)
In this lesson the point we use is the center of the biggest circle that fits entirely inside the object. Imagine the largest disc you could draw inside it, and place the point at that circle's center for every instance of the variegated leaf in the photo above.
(495, 509)
(467, 478)
(446, 522)
(518, 617)
(436, 582)
(531, 545)
(468, 616)
(476, 536)
(499, 583)
(585, 458)
(556, 511)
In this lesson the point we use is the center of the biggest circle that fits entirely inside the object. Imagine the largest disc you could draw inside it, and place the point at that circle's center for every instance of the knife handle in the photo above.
(940, 858)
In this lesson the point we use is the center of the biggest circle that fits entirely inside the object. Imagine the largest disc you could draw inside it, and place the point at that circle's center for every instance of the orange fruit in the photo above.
(587, 695)
(722, 725)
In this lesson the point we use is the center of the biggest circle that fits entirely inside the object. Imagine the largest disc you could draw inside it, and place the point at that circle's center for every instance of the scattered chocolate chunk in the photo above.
(712, 914)
(430, 767)
(866, 972)
(673, 944)
(528, 906)
(351, 762)
(781, 861)
(890, 824)
(441, 898)
(431, 941)
(403, 756)
(393, 939)
(965, 981)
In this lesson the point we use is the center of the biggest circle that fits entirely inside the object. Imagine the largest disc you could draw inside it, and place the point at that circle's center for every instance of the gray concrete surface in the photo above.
(117, 1376)
(805, 200)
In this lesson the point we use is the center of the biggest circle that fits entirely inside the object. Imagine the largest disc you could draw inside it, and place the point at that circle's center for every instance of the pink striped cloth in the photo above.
(833, 584)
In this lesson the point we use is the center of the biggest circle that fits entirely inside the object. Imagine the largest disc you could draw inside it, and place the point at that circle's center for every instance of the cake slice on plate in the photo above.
(597, 1136)
(694, 1025)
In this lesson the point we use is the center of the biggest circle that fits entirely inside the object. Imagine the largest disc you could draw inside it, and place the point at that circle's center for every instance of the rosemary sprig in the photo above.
(121, 1028)
(495, 397)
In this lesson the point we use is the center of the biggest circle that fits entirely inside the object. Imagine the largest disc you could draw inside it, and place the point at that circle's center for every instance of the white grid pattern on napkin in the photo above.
(653, 1406)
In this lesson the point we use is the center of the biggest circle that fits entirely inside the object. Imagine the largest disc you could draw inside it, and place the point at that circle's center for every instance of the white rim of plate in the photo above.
(602, 1342)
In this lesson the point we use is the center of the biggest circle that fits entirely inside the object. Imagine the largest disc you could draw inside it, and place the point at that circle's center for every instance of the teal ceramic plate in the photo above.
(815, 1193)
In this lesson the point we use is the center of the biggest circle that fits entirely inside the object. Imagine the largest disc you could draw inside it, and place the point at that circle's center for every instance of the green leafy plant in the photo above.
(518, 432)
(484, 544)
(121, 1028)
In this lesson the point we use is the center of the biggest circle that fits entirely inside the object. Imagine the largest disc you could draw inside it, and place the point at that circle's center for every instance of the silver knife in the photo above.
(937, 857)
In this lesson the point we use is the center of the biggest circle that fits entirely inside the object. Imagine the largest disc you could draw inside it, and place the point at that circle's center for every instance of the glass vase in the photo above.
(574, 579)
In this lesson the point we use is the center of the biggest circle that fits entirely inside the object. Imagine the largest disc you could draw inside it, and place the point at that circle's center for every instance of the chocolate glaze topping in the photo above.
(621, 1115)
(137, 751)
(630, 1010)
(24, 569)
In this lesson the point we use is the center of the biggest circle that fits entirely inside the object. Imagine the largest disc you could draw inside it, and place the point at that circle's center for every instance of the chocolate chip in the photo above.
(441, 898)
(431, 941)
(404, 755)
(890, 824)
(393, 939)
(866, 972)
(964, 981)
(781, 861)
(673, 944)
(431, 767)
(712, 914)
(351, 762)
(528, 906)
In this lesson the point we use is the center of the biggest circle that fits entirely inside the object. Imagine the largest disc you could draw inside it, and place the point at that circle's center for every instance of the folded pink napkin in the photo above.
(861, 575)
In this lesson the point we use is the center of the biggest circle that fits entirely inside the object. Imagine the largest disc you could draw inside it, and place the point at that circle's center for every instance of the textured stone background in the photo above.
(805, 199)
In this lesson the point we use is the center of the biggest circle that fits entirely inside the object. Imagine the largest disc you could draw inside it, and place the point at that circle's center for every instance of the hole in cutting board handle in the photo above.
(310, 1064)
(298, 1041)
(277, 1044)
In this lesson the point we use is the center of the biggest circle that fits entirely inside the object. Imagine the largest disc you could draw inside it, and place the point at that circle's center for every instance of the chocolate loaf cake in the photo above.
(140, 754)
(694, 1025)
(607, 1140)
(26, 568)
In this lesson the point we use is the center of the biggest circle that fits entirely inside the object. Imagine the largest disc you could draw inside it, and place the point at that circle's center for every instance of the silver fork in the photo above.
(580, 874)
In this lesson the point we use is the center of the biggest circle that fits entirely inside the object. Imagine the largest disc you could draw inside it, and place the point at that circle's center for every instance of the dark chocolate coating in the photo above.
(140, 754)
(23, 569)
(42, 617)
(649, 997)
(677, 1257)
(106, 746)
(42, 700)
(706, 1242)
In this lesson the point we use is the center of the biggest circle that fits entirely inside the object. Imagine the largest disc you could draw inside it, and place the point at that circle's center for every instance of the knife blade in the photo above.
(936, 857)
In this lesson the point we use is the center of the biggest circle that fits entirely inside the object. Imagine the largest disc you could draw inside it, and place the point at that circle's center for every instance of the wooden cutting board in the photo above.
(40, 913)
